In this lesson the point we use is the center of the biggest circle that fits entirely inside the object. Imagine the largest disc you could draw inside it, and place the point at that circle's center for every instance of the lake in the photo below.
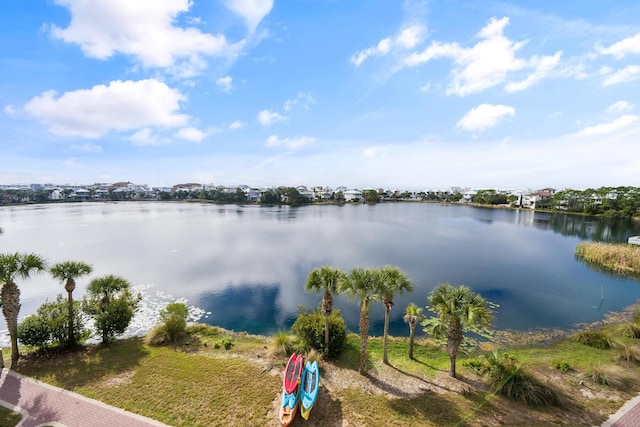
(244, 267)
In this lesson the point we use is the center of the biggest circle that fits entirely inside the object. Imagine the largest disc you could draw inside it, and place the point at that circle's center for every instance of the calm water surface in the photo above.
(246, 265)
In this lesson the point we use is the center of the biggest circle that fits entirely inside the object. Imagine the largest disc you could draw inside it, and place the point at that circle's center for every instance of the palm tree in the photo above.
(394, 281)
(458, 309)
(363, 284)
(328, 280)
(12, 266)
(412, 315)
(68, 272)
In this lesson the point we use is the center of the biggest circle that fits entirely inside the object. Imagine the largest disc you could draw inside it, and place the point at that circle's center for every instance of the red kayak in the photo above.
(292, 373)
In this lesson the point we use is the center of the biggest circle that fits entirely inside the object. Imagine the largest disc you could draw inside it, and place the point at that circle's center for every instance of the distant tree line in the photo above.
(616, 202)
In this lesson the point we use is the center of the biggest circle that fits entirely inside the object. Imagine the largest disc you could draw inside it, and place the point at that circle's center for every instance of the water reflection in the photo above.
(247, 264)
(252, 308)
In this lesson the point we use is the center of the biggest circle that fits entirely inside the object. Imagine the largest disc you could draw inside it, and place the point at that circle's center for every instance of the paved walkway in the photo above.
(627, 416)
(41, 403)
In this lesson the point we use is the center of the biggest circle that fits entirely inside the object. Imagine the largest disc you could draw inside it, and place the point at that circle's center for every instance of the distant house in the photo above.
(536, 198)
(352, 194)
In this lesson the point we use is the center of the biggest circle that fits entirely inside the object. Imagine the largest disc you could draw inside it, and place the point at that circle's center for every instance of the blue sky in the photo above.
(363, 93)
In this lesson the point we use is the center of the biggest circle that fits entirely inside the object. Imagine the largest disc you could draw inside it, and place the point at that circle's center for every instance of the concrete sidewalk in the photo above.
(41, 403)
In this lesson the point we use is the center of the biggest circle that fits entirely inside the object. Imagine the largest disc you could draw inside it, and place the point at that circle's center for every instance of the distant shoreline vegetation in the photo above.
(609, 202)
(617, 257)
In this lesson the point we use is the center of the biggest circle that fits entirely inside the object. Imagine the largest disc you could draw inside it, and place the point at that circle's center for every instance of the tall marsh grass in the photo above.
(620, 258)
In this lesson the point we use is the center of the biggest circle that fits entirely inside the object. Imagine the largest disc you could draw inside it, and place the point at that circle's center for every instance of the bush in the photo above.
(111, 306)
(631, 330)
(48, 326)
(309, 328)
(628, 354)
(562, 366)
(284, 343)
(593, 339)
(608, 376)
(173, 327)
(508, 378)
(34, 331)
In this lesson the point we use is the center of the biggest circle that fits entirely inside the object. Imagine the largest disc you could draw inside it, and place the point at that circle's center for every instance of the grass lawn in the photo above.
(8, 418)
(205, 385)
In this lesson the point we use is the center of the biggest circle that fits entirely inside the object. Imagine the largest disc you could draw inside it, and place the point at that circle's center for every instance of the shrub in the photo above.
(595, 339)
(628, 354)
(631, 330)
(48, 326)
(111, 306)
(174, 320)
(313, 356)
(34, 331)
(284, 343)
(309, 328)
(508, 378)
(608, 376)
(562, 366)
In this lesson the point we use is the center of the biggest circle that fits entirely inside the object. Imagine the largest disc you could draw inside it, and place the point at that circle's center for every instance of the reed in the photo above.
(620, 258)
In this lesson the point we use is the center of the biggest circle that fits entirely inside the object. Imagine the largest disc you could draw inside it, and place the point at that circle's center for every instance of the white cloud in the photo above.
(267, 118)
(88, 147)
(120, 106)
(620, 106)
(623, 47)
(291, 143)
(190, 134)
(302, 100)
(225, 83)
(620, 124)
(252, 11)
(487, 63)
(144, 29)
(544, 65)
(237, 125)
(144, 136)
(408, 38)
(485, 116)
(9, 110)
(624, 75)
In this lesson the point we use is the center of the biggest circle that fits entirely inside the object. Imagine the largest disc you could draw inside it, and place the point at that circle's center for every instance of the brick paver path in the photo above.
(42, 403)
(627, 416)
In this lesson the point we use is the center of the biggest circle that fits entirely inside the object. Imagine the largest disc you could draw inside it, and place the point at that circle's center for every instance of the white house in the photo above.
(352, 194)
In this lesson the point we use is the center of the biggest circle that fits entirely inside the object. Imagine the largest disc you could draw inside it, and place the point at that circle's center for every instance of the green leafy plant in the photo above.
(309, 328)
(562, 366)
(111, 306)
(595, 339)
(49, 325)
(173, 327)
(508, 378)
(631, 330)
(284, 343)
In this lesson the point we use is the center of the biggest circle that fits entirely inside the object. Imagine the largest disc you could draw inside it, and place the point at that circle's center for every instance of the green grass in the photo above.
(8, 418)
(198, 385)
(187, 390)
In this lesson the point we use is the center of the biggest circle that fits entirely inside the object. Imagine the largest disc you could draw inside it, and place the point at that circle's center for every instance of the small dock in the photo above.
(634, 240)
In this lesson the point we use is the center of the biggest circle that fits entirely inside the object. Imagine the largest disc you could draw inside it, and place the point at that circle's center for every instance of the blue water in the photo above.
(247, 264)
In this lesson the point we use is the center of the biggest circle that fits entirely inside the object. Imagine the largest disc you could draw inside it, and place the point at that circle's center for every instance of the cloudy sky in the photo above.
(377, 93)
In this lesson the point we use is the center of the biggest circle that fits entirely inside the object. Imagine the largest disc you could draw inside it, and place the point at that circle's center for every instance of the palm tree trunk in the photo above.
(326, 333)
(364, 337)
(385, 358)
(71, 339)
(454, 340)
(10, 308)
(412, 332)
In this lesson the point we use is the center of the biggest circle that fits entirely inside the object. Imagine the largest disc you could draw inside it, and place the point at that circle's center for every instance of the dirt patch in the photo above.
(119, 380)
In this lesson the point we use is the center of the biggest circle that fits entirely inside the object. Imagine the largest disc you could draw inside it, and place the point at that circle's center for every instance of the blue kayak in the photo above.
(309, 388)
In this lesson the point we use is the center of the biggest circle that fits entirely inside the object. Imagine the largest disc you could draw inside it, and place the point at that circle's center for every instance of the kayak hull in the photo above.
(309, 388)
